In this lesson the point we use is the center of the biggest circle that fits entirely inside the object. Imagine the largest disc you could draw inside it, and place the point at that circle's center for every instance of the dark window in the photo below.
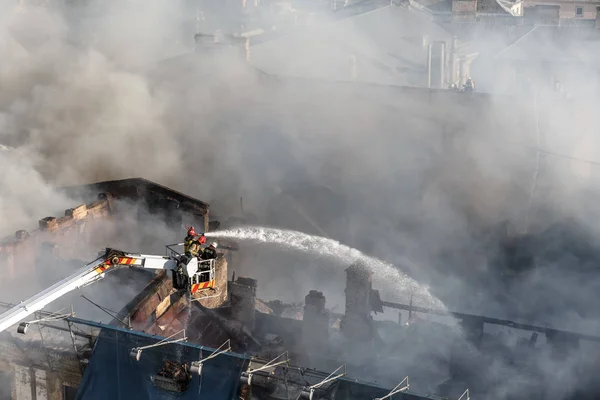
(579, 11)
(69, 393)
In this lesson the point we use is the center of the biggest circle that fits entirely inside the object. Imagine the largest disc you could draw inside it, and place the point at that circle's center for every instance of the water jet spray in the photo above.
(390, 276)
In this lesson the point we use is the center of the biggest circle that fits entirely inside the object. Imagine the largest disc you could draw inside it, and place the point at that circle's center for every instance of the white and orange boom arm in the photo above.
(110, 260)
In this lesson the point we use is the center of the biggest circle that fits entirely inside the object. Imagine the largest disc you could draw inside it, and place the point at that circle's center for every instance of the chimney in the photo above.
(243, 301)
(315, 325)
(436, 59)
(453, 58)
(21, 235)
(464, 9)
(357, 323)
(48, 224)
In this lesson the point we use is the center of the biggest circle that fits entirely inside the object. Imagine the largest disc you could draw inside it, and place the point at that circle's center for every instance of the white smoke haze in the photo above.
(84, 96)
(35, 197)
(398, 285)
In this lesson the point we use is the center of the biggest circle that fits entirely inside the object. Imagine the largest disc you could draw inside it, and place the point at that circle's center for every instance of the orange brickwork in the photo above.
(68, 233)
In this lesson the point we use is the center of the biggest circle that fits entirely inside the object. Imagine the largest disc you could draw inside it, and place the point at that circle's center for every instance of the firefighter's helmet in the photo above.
(191, 231)
(214, 245)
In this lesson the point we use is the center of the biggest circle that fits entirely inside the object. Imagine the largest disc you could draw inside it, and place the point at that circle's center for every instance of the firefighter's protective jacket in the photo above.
(187, 242)
(470, 85)
(194, 249)
(209, 253)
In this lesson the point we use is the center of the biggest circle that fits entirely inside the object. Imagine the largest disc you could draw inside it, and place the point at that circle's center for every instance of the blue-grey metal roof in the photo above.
(386, 44)
(112, 374)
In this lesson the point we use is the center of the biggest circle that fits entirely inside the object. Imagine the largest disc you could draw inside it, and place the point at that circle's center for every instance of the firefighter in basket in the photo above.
(210, 252)
(192, 242)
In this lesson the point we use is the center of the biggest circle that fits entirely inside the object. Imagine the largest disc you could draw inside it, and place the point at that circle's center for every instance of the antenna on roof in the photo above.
(23, 326)
(399, 388)
(136, 352)
(309, 392)
(247, 376)
(196, 366)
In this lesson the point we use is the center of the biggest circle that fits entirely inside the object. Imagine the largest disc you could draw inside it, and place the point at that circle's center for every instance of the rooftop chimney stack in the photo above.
(315, 326)
(243, 301)
(464, 10)
(357, 323)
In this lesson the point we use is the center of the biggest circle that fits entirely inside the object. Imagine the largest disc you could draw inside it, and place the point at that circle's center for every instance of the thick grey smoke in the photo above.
(78, 111)
(24, 194)
(95, 92)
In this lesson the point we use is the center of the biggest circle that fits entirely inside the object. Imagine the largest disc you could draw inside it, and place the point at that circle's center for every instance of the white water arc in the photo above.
(396, 283)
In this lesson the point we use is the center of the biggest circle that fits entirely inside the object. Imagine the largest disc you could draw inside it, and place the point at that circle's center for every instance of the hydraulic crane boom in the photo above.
(111, 259)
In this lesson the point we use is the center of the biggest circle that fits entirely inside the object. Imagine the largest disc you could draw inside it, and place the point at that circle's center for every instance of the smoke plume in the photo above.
(112, 90)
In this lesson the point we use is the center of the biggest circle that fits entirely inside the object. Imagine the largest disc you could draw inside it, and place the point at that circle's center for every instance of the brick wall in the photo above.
(161, 311)
(68, 233)
(464, 6)
(568, 10)
(486, 6)
(27, 363)
(221, 282)
(153, 195)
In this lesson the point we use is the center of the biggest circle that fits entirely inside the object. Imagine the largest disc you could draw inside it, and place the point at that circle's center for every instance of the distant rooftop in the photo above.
(387, 45)
(555, 44)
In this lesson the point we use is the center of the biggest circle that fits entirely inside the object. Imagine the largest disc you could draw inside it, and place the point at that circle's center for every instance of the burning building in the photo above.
(161, 340)
(223, 341)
